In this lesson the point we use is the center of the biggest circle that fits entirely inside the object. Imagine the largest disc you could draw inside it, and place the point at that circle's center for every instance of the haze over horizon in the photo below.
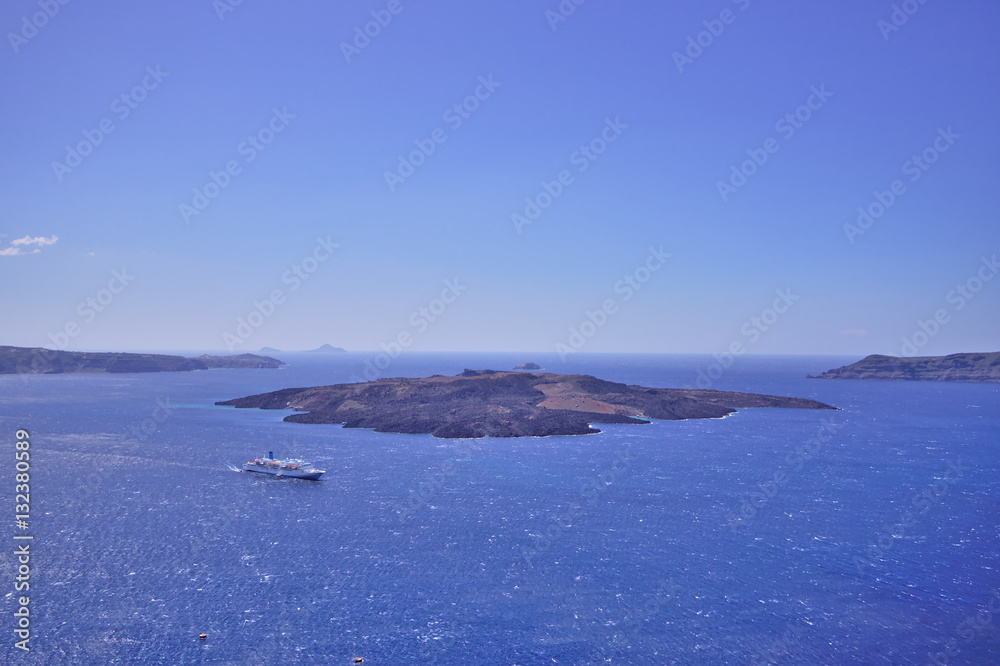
(503, 178)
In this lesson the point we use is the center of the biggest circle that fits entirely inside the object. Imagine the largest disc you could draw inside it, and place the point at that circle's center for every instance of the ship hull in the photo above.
(287, 473)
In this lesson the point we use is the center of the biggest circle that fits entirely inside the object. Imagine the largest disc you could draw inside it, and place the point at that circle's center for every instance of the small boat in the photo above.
(292, 468)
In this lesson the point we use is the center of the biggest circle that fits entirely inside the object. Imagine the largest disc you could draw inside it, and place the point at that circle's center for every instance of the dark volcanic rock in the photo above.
(954, 368)
(485, 403)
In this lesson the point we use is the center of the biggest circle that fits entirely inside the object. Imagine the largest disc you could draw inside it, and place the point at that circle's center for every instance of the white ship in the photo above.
(292, 468)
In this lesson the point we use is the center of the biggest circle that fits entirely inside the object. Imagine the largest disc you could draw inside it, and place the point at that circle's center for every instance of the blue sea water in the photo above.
(864, 536)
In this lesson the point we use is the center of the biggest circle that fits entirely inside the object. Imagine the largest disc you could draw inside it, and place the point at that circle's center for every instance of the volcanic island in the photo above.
(967, 367)
(41, 361)
(487, 403)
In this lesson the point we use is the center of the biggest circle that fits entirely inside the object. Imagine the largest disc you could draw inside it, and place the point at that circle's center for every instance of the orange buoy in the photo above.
(358, 660)
(202, 637)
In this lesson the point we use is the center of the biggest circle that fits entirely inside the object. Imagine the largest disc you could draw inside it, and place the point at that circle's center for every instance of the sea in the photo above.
(867, 535)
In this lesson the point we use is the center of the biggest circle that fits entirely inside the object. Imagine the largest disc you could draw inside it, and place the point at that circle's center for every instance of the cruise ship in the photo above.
(292, 468)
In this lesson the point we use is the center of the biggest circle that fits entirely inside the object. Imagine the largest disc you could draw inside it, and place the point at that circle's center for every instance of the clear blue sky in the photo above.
(324, 174)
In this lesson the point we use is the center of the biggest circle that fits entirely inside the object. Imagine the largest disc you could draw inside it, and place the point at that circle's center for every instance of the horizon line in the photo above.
(164, 350)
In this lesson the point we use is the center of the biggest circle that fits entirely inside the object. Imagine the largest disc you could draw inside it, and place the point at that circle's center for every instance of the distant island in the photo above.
(974, 367)
(327, 349)
(485, 403)
(243, 361)
(527, 366)
(324, 349)
(37, 360)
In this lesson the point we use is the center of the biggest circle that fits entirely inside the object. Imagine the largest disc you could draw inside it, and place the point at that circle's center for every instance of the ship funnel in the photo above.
(270, 455)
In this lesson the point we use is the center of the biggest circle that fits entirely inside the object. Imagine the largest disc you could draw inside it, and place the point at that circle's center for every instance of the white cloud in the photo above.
(18, 244)
(38, 240)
